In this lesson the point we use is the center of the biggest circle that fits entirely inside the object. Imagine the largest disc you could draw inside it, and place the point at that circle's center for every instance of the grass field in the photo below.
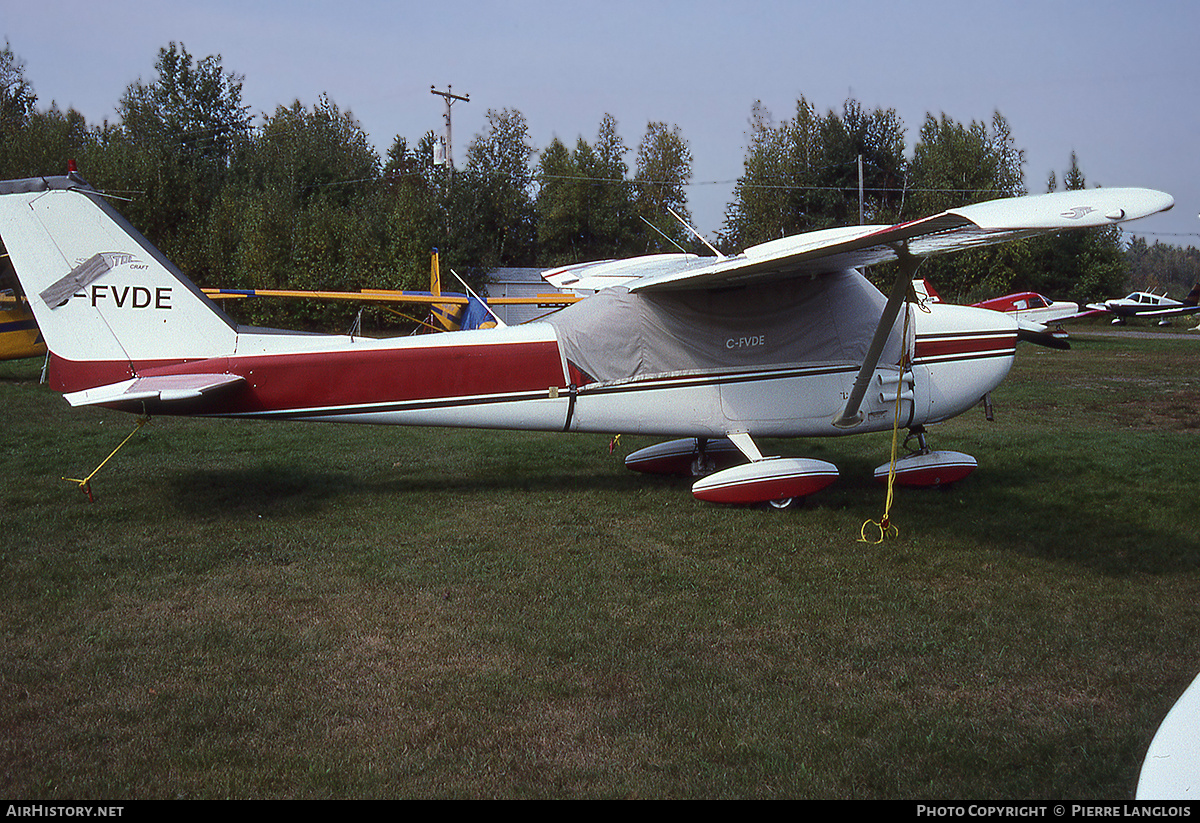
(256, 610)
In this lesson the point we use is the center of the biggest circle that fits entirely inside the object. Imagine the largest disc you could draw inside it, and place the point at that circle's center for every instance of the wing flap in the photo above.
(170, 388)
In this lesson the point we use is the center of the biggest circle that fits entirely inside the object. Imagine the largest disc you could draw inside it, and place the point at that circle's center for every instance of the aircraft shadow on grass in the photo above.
(286, 490)
(978, 511)
(1000, 509)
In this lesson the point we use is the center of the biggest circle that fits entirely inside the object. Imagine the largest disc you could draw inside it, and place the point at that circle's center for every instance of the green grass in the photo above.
(260, 610)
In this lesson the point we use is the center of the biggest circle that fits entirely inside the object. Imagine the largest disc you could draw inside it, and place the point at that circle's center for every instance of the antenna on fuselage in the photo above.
(699, 236)
(666, 236)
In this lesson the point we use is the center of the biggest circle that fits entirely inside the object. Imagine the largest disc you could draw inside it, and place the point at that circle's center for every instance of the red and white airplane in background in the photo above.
(1033, 308)
(1034, 313)
(786, 339)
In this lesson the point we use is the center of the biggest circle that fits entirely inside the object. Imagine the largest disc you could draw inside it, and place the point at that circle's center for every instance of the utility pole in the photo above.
(860, 191)
(447, 155)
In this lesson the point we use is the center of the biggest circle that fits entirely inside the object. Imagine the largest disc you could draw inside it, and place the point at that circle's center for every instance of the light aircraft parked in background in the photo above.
(19, 335)
(448, 311)
(1033, 312)
(1147, 304)
(786, 339)
(1034, 308)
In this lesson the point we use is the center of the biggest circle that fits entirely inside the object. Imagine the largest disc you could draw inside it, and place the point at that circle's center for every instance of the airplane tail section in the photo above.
(1193, 297)
(108, 303)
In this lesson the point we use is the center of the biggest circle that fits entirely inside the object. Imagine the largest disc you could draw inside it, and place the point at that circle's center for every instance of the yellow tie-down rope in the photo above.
(85, 484)
(884, 524)
(886, 529)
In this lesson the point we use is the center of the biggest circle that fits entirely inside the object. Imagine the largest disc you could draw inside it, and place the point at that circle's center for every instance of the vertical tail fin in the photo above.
(101, 293)
(446, 315)
(1193, 297)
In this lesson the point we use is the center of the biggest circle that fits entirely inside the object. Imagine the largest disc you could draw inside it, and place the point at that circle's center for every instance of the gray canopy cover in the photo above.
(617, 336)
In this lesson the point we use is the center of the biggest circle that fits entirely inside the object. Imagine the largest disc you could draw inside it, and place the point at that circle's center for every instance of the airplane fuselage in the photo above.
(519, 378)
(1031, 307)
(1140, 303)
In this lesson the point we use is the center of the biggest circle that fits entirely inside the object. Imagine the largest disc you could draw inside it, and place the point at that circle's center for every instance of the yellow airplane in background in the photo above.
(19, 334)
(448, 311)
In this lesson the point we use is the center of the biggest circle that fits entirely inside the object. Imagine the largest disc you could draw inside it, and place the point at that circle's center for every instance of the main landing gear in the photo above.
(724, 475)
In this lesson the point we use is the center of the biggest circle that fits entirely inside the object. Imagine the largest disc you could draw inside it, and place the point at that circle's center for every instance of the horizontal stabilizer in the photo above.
(166, 388)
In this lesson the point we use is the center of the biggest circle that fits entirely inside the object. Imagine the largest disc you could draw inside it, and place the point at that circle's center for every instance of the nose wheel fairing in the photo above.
(924, 468)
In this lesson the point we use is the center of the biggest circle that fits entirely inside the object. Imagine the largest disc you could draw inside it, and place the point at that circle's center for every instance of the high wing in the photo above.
(390, 296)
(982, 224)
(364, 296)
(831, 250)
(449, 311)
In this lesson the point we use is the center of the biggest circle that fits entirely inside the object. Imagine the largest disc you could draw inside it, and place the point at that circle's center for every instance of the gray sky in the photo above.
(1113, 81)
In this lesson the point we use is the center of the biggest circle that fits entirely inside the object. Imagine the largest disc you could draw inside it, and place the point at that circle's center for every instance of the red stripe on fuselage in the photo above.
(360, 377)
(965, 345)
(354, 378)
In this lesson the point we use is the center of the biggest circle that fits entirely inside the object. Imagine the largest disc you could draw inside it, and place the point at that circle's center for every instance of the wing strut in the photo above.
(851, 416)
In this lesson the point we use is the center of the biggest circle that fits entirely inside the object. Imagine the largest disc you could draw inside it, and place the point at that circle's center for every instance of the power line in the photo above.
(1159, 233)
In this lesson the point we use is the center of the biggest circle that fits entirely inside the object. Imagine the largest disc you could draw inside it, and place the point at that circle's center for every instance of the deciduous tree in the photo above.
(664, 169)
(803, 174)
(491, 203)
(585, 200)
(174, 147)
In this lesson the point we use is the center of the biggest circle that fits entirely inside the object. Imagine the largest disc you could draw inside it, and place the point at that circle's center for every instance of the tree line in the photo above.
(302, 200)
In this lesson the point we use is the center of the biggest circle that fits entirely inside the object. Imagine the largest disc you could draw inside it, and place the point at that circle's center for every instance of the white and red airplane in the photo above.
(1033, 312)
(1034, 308)
(786, 339)
(1039, 319)
(1148, 304)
